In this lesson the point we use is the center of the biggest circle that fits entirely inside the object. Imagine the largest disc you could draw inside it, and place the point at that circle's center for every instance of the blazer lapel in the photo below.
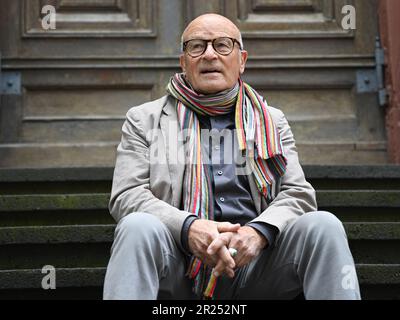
(173, 141)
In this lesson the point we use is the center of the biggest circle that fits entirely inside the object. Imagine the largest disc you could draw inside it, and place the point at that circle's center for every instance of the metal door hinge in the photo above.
(10, 82)
(373, 80)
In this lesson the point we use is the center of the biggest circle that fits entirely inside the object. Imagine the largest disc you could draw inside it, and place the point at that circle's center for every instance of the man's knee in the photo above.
(321, 223)
(140, 225)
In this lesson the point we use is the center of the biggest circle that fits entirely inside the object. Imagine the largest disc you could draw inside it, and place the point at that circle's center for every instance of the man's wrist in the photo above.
(269, 231)
(262, 239)
(185, 233)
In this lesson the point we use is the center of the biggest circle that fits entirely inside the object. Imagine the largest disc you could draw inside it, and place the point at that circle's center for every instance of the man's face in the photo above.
(212, 72)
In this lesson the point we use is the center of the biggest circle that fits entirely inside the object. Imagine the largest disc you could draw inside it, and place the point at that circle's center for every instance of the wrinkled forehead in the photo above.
(210, 29)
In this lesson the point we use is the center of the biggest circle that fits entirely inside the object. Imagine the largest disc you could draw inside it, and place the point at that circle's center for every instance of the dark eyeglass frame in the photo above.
(184, 46)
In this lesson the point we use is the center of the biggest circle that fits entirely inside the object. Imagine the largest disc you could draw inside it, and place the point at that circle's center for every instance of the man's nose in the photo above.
(210, 52)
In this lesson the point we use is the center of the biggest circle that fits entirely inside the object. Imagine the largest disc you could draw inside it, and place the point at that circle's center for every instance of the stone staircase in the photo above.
(59, 217)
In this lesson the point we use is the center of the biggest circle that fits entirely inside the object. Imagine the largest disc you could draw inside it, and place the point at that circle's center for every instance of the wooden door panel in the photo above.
(63, 101)
(128, 29)
(75, 130)
(78, 114)
(95, 18)
(104, 56)
(81, 106)
(289, 19)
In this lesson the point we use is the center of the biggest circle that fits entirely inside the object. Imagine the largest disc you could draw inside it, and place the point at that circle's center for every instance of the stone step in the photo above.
(72, 130)
(341, 153)
(325, 198)
(371, 274)
(34, 180)
(56, 234)
(373, 231)
(56, 155)
(364, 214)
(89, 154)
(323, 128)
(97, 254)
(73, 174)
(55, 218)
(65, 277)
(65, 255)
(102, 216)
(331, 172)
(387, 274)
(37, 202)
(358, 198)
(89, 245)
(59, 216)
(353, 177)
(91, 129)
(98, 179)
(104, 233)
(356, 172)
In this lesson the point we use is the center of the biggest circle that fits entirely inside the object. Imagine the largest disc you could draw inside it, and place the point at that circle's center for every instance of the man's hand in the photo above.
(247, 241)
(202, 233)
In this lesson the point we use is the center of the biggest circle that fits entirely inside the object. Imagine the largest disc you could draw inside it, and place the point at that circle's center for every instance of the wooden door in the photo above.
(79, 79)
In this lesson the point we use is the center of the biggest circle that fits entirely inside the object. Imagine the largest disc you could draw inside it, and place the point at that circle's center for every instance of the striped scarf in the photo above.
(254, 125)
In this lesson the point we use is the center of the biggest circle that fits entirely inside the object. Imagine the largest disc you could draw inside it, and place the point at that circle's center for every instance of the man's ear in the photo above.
(243, 59)
(182, 62)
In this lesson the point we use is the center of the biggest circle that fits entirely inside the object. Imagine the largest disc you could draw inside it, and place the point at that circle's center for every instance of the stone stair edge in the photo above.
(86, 201)
(105, 173)
(99, 233)
(388, 274)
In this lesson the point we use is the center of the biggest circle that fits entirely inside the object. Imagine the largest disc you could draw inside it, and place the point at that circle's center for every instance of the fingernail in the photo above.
(216, 273)
(210, 251)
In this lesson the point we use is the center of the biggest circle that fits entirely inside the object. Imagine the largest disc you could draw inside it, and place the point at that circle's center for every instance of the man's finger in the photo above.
(227, 227)
(224, 263)
(243, 258)
(221, 241)
(226, 257)
(221, 268)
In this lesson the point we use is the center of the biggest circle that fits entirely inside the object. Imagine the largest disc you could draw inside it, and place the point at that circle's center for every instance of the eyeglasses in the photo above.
(196, 47)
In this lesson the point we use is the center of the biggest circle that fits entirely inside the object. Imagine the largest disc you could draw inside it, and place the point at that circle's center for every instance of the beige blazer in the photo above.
(148, 175)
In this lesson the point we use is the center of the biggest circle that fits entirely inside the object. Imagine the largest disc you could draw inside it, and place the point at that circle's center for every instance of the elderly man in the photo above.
(228, 215)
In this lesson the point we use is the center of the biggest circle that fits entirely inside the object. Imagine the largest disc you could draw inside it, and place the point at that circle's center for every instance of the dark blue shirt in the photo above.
(232, 198)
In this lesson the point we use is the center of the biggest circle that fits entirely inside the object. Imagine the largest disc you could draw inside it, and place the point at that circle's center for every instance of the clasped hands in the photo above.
(210, 240)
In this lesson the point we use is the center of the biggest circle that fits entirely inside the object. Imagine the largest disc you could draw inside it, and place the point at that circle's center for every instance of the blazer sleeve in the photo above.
(131, 182)
(296, 195)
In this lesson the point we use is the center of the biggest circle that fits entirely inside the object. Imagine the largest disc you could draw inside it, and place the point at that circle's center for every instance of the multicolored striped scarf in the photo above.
(254, 125)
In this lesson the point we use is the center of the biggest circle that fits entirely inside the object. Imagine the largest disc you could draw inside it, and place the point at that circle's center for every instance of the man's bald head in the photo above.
(209, 22)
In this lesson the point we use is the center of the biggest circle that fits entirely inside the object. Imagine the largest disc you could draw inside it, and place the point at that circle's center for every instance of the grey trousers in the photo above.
(311, 256)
